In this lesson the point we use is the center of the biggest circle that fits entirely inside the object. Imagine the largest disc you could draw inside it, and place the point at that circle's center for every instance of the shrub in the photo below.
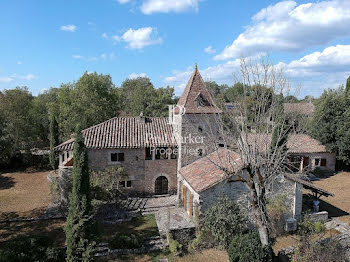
(104, 183)
(307, 227)
(223, 220)
(311, 250)
(33, 248)
(122, 241)
(276, 208)
(175, 247)
(202, 240)
(247, 248)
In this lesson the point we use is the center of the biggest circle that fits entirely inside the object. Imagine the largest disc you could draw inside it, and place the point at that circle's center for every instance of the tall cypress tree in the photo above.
(53, 139)
(347, 87)
(79, 220)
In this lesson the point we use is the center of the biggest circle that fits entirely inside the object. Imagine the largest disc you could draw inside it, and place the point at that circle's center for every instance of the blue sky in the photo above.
(46, 43)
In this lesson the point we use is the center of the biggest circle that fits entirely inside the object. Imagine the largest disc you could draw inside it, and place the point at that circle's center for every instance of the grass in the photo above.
(339, 184)
(23, 194)
(54, 229)
(142, 226)
(207, 255)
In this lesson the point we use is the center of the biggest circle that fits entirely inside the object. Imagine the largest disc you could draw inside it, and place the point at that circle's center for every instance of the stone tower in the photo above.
(196, 123)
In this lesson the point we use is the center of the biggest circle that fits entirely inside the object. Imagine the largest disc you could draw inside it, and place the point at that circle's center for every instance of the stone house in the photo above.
(142, 145)
(176, 154)
(199, 190)
(304, 152)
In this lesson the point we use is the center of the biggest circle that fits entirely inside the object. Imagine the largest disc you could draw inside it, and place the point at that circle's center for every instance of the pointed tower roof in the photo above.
(196, 97)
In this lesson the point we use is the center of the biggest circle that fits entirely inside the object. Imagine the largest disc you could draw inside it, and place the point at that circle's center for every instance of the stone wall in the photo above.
(133, 163)
(330, 158)
(196, 131)
(141, 172)
(239, 192)
(291, 193)
(156, 168)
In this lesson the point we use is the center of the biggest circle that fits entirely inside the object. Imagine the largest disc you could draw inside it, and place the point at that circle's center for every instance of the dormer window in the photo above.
(201, 101)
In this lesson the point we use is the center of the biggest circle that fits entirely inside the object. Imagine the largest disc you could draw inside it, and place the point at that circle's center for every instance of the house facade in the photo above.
(143, 146)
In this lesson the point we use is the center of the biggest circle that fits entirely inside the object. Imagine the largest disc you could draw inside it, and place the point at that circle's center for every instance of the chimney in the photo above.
(141, 118)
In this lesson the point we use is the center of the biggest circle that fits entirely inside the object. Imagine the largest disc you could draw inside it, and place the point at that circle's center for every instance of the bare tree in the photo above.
(256, 127)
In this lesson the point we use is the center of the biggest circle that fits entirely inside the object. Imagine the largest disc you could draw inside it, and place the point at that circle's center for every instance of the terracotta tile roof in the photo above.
(205, 173)
(126, 132)
(300, 108)
(300, 143)
(297, 143)
(194, 88)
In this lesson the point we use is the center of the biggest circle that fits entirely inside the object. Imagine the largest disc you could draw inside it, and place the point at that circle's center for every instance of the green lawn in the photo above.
(142, 226)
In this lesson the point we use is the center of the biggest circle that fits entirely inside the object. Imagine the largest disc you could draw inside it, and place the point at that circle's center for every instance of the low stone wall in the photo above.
(183, 235)
(318, 217)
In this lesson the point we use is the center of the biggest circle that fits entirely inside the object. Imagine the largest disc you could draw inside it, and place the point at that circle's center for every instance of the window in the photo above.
(221, 145)
(323, 162)
(200, 129)
(174, 153)
(123, 184)
(317, 161)
(148, 153)
(161, 153)
(201, 101)
(117, 157)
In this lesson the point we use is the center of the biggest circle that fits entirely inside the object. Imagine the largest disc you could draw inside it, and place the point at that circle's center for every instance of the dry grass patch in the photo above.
(338, 184)
(23, 194)
(207, 255)
(54, 229)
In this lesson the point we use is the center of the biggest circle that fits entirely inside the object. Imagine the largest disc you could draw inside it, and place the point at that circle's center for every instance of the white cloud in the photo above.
(16, 77)
(19, 62)
(167, 6)
(88, 59)
(123, 1)
(139, 38)
(287, 26)
(28, 77)
(104, 35)
(209, 50)
(333, 59)
(6, 79)
(103, 56)
(69, 28)
(315, 72)
(221, 73)
(134, 75)
(78, 57)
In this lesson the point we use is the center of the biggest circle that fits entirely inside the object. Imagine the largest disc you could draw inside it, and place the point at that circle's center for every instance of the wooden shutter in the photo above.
(184, 196)
(323, 162)
(191, 205)
(305, 161)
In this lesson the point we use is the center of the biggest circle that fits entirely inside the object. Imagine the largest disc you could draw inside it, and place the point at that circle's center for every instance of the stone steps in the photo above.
(151, 244)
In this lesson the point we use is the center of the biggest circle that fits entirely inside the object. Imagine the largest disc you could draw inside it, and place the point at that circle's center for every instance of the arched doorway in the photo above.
(161, 185)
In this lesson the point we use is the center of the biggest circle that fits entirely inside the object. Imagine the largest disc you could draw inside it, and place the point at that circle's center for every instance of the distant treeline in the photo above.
(25, 119)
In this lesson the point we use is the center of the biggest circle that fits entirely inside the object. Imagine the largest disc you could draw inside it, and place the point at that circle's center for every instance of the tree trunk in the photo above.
(259, 209)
